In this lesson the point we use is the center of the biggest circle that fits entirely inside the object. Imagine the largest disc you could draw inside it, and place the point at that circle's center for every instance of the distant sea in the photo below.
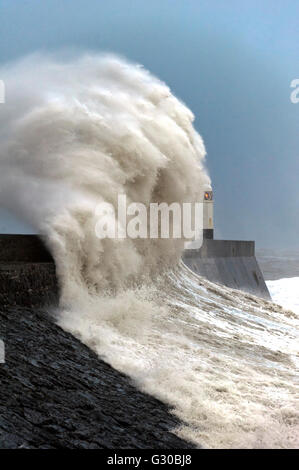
(281, 272)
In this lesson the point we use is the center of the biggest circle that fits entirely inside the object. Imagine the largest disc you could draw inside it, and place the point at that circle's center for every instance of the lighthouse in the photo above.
(208, 223)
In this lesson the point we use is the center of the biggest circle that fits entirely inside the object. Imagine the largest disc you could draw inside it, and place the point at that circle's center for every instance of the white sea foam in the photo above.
(285, 292)
(83, 131)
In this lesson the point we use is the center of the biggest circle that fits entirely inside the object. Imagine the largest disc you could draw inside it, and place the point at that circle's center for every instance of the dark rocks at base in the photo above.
(56, 393)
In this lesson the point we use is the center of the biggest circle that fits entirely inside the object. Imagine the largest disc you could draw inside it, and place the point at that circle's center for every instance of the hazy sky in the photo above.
(230, 61)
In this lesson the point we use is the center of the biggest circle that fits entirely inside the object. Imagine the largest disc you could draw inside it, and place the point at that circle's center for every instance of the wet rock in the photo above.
(56, 393)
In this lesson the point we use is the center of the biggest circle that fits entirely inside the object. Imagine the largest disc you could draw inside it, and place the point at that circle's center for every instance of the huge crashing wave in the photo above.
(76, 132)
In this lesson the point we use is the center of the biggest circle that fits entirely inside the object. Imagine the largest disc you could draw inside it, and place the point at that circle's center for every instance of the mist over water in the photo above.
(83, 131)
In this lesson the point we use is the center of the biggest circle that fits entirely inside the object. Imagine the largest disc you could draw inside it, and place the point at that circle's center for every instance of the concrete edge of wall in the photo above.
(17, 248)
(231, 263)
(228, 262)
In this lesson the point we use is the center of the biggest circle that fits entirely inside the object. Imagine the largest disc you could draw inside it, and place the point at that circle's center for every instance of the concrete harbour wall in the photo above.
(27, 270)
(231, 263)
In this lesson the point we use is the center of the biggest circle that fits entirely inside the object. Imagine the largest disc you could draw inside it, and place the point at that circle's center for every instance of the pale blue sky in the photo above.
(230, 61)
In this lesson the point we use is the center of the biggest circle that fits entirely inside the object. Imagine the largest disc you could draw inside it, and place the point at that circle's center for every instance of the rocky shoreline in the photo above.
(55, 392)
